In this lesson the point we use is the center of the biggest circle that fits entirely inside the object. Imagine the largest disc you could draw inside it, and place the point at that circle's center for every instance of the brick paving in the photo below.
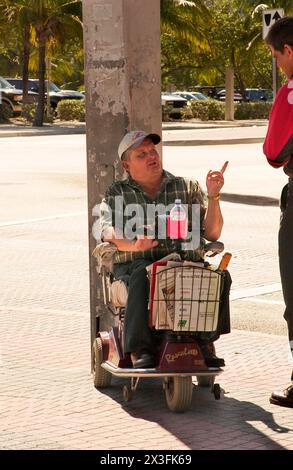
(48, 400)
(47, 397)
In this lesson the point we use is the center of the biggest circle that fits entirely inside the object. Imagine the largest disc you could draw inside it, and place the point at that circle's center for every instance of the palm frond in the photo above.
(259, 9)
(184, 3)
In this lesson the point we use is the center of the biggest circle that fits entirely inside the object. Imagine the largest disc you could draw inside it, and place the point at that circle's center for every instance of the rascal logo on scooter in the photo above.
(183, 353)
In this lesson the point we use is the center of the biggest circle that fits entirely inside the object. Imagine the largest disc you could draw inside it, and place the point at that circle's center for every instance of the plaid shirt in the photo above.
(172, 187)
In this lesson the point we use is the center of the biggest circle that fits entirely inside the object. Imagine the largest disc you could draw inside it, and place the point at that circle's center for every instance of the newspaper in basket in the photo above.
(185, 298)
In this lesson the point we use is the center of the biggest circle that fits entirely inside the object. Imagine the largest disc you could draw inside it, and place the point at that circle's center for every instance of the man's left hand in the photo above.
(215, 181)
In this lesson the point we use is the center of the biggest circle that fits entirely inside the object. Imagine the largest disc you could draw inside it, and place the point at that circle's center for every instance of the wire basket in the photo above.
(184, 298)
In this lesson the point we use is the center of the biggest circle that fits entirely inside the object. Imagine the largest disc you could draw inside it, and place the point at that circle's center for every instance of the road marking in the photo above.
(255, 291)
(42, 219)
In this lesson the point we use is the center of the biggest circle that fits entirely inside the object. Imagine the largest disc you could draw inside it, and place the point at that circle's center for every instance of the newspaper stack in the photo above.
(184, 296)
(162, 291)
(197, 294)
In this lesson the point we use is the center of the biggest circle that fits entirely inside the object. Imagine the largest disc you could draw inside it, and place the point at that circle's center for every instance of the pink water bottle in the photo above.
(177, 221)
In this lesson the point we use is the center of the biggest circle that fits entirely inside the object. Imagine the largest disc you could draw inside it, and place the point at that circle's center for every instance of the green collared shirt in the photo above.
(130, 192)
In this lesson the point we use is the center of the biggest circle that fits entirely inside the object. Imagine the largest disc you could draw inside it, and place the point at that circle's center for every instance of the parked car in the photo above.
(10, 96)
(221, 95)
(175, 103)
(55, 93)
(190, 96)
(206, 90)
(258, 94)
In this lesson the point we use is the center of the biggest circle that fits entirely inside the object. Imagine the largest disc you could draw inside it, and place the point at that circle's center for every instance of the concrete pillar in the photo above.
(229, 109)
(122, 82)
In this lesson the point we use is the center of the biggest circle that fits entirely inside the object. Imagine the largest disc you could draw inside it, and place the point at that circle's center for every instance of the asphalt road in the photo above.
(247, 173)
(44, 227)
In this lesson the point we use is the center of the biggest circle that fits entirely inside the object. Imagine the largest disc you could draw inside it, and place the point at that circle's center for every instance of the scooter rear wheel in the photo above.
(101, 377)
(178, 393)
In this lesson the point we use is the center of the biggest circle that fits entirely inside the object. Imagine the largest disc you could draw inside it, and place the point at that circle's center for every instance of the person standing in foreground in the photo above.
(278, 148)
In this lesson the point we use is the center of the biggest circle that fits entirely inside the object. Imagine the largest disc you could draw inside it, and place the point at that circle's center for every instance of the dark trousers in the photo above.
(137, 334)
(286, 253)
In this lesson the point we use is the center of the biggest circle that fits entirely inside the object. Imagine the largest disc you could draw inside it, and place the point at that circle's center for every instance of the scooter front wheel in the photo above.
(178, 393)
(101, 377)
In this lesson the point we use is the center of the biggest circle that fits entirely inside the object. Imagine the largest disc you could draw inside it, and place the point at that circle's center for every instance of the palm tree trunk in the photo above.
(39, 116)
(26, 56)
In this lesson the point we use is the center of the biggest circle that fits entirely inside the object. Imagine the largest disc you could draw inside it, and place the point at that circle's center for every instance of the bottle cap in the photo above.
(177, 201)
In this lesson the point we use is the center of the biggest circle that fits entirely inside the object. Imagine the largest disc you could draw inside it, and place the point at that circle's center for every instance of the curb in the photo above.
(186, 142)
(36, 132)
(191, 142)
(188, 127)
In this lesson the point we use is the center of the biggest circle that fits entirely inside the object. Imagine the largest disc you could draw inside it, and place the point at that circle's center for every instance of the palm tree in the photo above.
(255, 10)
(183, 24)
(235, 38)
(186, 20)
(45, 22)
(9, 43)
(51, 20)
(17, 15)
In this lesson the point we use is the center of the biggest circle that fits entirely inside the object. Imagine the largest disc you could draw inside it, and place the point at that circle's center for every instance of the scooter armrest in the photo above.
(213, 248)
(104, 253)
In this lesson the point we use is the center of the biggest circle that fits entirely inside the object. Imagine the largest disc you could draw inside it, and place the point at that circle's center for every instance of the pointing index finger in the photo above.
(222, 170)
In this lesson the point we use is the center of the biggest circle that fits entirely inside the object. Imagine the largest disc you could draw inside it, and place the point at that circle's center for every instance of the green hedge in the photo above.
(67, 110)
(5, 113)
(71, 110)
(208, 110)
(166, 113)
(29, 110)
(205, 110)
(258, 110)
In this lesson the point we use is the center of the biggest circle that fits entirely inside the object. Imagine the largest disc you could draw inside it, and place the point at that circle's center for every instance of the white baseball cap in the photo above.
(134, 139)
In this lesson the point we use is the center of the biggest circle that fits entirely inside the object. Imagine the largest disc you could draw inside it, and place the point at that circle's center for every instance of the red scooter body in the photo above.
(175, 353)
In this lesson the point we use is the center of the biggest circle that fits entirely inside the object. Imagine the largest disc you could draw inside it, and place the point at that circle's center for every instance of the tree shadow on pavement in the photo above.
(250, 199)
(225, 424)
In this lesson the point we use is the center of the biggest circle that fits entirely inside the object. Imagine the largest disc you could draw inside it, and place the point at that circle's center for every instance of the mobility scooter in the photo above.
(184, 299)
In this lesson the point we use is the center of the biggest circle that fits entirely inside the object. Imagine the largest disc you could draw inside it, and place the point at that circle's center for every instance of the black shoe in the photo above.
(210, 358)
(284, 398)
(142, 360)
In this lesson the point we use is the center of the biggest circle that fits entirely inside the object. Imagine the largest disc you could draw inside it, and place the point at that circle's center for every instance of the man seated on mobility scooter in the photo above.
(148, 184)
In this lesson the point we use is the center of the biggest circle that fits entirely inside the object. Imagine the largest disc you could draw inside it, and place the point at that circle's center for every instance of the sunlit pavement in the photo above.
(47, 397)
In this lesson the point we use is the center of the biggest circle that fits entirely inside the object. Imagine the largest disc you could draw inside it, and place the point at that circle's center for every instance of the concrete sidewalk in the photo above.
(174, 133)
